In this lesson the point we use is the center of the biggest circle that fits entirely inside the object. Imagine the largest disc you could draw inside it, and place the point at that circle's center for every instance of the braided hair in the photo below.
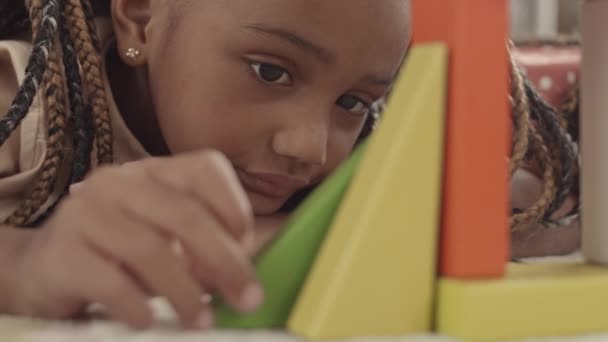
(59, 28)
(543, 139)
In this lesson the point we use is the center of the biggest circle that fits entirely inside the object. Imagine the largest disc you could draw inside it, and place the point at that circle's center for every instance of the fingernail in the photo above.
(252, 297)
(177, 248)
(206, 299)
(204, 320)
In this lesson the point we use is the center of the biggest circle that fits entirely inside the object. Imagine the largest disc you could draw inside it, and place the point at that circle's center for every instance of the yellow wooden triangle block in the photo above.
(376, 272)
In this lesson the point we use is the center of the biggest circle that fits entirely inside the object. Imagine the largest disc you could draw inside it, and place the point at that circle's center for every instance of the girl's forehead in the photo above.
(306, 12)
(376, 31)
(371, 22)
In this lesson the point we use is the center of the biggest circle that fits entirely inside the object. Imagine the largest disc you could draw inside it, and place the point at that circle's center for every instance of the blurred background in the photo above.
(544, 19)
(547, 39)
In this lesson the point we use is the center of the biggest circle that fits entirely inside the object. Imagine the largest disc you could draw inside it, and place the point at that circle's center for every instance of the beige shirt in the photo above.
(22, 154)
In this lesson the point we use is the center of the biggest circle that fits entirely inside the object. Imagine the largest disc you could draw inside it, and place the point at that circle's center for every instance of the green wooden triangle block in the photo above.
(283, 267)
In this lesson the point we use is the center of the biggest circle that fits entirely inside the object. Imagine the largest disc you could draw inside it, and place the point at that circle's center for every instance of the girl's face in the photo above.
(281, 87)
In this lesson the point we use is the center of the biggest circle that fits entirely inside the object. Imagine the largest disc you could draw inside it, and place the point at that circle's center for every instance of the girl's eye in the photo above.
(353, 104)
(271, 73)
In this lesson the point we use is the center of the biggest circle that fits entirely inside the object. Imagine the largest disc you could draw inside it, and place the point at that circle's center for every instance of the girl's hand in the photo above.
(110, 242)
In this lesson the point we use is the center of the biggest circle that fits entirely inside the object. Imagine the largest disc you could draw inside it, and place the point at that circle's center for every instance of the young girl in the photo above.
(201, 119)
(201, 115)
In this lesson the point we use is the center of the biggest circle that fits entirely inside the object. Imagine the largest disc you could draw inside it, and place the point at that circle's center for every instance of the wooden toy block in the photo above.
(594, 125)
(283, 267)
(475, 232)
(534, 300)
(375, 273)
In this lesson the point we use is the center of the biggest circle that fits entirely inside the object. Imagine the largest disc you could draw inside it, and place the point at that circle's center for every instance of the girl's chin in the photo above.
(264, 205)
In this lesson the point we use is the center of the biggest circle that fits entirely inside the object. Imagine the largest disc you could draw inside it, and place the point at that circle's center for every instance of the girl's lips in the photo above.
(273, 185)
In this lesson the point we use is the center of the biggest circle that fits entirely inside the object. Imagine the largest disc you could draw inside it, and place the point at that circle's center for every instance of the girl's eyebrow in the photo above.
(378, 80)
(298, 41)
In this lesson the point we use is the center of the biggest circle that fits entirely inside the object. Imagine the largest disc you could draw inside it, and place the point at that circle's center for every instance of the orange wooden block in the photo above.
(475, 233)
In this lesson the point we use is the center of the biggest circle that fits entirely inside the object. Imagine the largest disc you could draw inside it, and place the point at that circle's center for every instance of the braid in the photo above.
(521, 118)
(90, 20)
(35, 15)
(560, 144)
(550, 147)
(81, 112)
(570, 109)
(33, 72)
(81, 119)
(66, 28)
(55, 145)
(538, 210)
(90, 62)
(54, 92)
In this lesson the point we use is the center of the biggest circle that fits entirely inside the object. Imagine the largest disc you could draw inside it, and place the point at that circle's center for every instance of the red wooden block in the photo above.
(475, 230)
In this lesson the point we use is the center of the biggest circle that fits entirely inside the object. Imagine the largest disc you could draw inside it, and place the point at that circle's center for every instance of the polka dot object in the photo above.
(554, 63)
(545, 83)
(571, 77)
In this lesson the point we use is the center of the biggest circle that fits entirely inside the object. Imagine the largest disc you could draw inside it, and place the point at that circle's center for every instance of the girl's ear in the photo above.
(131, 20)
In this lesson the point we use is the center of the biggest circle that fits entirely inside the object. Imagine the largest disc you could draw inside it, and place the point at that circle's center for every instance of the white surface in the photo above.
(22, 330)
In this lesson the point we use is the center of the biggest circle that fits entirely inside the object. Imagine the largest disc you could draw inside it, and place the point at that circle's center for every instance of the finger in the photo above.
(223, 263)
(210, 177)
(100, 281)
(222, 260)
(148, 256)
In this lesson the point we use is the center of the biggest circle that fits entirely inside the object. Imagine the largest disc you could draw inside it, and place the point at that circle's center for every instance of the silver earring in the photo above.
(132, 53)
